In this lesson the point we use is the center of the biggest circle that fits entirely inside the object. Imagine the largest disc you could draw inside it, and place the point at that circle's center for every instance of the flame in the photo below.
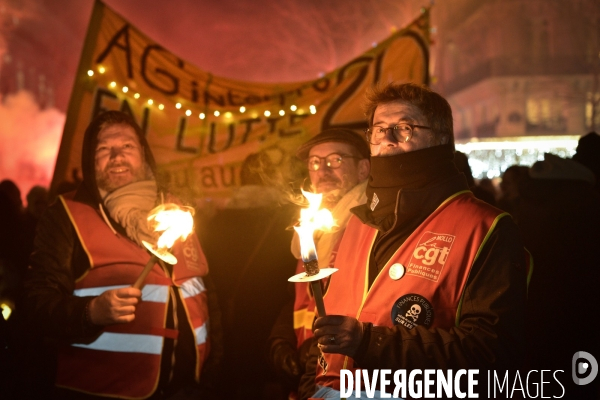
(312, 218)
(176, 222)
(6, 310)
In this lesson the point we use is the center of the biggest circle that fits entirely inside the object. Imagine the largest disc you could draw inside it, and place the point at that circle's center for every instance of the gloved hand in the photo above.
(284, 358)
(338, 334)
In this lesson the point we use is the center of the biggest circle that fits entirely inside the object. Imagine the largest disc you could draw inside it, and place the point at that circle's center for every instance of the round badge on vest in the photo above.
(411, 310)
(397, 271)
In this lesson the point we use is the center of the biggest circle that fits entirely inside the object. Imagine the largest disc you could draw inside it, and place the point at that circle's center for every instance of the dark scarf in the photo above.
(412, 170)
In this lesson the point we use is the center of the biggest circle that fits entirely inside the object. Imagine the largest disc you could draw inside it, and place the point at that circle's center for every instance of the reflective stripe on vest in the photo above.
(201, 333)
(126, 343)
(192, 287)
(437, 258)
(154, 293)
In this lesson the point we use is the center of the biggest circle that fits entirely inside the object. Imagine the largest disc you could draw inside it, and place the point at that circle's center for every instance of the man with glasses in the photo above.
(337, 160)
(430, 277)
(338, 166)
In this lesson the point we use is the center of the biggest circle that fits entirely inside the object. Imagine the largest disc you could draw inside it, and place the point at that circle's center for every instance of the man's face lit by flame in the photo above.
(119, 157)
(335, 183)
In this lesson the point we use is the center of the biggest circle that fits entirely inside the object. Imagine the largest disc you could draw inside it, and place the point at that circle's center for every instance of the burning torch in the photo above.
(175, 222)
(311, 219)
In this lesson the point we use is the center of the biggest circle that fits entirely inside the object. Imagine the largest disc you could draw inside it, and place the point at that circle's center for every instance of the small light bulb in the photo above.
(281, 112)
(178, 106)
(202, 115)
(125, 89)
(188, 112)
(313, 109)
(293, 107)
(136, 96)
(228, 114)
(150, 101)
(267, 113)
(90, 73)
(161, 107)
(242, 109)
(113, 84)
(217, 113)
(101, 70)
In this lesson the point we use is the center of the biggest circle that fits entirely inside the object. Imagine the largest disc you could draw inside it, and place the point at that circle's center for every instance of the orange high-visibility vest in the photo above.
(124, 361)
(421, 284)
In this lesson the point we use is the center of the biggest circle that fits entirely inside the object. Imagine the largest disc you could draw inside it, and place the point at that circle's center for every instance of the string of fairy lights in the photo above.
(312, 109)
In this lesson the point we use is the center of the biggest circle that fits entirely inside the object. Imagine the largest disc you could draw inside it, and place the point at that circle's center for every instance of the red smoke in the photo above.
(29, 140)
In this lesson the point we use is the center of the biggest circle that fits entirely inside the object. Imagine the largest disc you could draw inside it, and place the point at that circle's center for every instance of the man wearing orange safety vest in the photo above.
(429, 277)
(338, 166)
(117, 341)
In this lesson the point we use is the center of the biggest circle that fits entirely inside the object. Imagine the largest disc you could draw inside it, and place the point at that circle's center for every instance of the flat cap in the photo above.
(335, 135)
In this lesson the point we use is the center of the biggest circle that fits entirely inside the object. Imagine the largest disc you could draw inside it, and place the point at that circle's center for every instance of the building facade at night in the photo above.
(516, 70)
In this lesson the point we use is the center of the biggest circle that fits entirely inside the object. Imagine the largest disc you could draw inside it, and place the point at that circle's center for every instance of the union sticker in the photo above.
(411, 310)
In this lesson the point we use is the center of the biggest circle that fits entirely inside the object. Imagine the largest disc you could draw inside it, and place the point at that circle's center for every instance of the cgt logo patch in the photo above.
(191, 252)
(430, 255)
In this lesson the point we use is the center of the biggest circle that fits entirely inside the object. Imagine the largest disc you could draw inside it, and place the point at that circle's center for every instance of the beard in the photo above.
(109, 182)
(331, 198)
(333, 189)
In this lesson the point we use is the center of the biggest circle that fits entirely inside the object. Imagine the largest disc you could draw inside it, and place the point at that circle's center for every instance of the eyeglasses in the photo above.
(333, 161)
(401, 132)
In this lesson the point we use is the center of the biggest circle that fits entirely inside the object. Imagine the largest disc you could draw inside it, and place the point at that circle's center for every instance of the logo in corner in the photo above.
(585, 368)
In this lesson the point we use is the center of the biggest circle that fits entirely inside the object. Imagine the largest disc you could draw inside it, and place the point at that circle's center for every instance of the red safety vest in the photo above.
(421, 284)
(124, 361)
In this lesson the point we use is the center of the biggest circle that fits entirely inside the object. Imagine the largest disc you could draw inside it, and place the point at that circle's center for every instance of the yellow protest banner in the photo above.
(201, 127)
